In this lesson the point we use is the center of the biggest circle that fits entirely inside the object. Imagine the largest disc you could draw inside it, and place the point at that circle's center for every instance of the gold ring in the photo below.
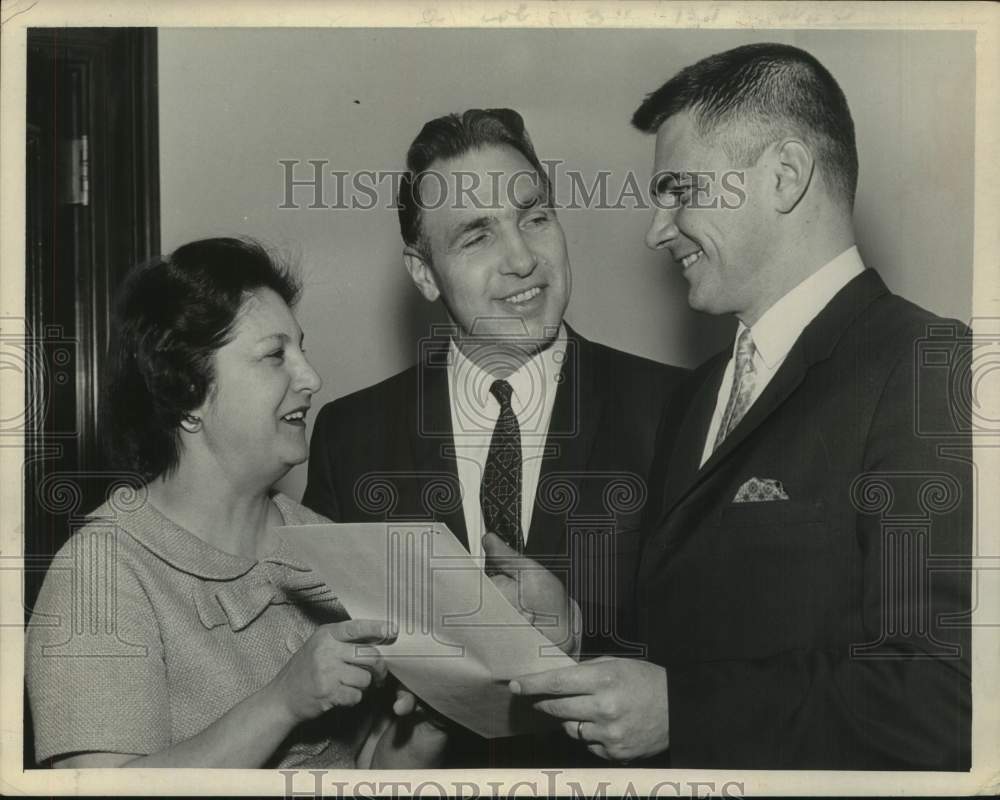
(579, 730)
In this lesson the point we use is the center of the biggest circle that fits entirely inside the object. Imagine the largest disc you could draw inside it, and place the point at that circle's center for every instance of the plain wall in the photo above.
(235, 102)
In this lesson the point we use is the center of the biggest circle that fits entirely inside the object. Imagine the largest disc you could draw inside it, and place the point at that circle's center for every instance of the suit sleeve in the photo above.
(903, 702)
(321, 486)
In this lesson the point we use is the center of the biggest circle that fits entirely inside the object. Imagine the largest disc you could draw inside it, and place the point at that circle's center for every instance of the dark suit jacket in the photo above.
(388, 452)
(813, 632)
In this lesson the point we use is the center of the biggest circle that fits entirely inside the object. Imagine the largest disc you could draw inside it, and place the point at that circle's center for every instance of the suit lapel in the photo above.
(572, 430)
(432, 438)
(816, 343)
(685, 456)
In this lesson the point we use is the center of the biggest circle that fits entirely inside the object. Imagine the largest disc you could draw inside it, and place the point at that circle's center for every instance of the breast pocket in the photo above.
(772, 512)
(775, 526)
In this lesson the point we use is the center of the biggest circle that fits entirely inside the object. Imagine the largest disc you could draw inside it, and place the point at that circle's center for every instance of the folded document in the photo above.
(459, 642)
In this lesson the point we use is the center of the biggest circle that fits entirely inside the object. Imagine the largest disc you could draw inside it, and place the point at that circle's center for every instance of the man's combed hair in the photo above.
(170, 317)
(749, 97)
(452, 136)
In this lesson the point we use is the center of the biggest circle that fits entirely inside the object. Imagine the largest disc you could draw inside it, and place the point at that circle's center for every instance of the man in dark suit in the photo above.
(801, 584)
(510, 422)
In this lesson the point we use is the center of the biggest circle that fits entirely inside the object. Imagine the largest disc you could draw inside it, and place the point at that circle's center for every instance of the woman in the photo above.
(185, 637)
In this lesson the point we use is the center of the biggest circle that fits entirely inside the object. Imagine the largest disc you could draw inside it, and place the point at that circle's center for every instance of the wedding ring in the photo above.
(579, 730)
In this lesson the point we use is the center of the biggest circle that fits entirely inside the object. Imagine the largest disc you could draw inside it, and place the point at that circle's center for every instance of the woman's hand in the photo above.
(332, 668)
(408, 705)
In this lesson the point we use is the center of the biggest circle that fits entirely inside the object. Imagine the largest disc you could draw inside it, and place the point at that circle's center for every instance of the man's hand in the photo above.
(534, 591)
(617, 705)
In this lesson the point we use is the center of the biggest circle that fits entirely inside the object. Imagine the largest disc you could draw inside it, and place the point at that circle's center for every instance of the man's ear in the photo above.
(794, 166)
(421, 273)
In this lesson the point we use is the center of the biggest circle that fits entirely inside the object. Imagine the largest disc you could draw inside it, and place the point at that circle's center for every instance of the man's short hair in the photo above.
(170, 317)
(448, 137)
(749, 97)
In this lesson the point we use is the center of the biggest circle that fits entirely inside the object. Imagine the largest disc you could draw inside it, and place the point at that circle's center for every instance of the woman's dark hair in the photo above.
(170, 316)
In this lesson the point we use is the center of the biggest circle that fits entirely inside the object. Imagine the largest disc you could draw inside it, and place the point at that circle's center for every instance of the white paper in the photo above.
(459, 642)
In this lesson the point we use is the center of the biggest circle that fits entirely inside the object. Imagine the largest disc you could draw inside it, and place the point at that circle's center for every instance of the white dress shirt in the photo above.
(780, 326)
(474, 413)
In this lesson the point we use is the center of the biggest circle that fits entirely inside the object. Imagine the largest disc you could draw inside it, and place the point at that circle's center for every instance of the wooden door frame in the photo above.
(85, 228)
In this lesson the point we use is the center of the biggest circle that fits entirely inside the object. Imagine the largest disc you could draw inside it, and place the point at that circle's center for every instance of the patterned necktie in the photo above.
(500, 490)
(741, 394)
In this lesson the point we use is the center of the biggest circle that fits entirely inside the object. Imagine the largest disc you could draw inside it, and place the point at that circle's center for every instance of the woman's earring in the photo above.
(191, 423)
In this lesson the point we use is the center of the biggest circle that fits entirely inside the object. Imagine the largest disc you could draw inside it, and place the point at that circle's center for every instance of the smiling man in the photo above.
(785, 587)
(510, 422)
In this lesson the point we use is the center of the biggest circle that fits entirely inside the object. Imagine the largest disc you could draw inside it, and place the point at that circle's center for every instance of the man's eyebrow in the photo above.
(664, 180)
(474, 224)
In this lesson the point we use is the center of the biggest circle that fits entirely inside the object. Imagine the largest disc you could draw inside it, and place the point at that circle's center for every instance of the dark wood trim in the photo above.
(91, 90)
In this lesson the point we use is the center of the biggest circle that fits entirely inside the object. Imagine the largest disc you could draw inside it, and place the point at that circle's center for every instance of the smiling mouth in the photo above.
(296, 417)
(691, 258)
(523, 297)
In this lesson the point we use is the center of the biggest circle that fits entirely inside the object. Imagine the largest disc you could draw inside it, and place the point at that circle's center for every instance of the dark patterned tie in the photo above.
(500, 491)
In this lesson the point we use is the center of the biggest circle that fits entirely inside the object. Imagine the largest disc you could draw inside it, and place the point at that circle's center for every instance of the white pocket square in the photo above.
(760, 490)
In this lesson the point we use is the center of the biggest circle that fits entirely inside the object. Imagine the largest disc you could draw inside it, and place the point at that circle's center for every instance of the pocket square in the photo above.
(760, 490)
